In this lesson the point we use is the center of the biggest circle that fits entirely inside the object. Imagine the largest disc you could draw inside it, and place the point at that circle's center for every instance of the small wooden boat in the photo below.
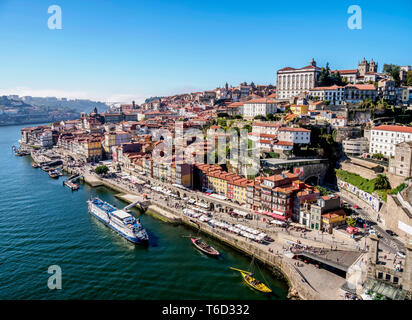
(204, 247)
(252, 282)
(53, 174)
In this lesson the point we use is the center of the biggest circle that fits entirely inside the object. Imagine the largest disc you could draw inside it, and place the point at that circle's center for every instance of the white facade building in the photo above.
(295, 135)
(335, 94)
(384, 138)
(46, 138)
(290, 81)
(256, 107)
(265, 128)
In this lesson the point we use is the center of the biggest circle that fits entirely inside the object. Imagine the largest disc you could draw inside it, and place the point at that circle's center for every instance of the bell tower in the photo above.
(363, 67)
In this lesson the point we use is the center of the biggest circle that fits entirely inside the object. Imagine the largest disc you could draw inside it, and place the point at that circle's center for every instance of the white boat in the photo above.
(119, 220)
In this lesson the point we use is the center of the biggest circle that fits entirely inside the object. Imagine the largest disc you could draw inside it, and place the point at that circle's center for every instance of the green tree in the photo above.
(409, 78)
(248, 127)
(381, 182)
(101, 170)
(378, 156)
(393, 70)
(351, 221)
(269, 117)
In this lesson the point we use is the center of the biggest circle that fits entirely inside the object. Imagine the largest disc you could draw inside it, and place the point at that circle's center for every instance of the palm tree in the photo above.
(381, 182)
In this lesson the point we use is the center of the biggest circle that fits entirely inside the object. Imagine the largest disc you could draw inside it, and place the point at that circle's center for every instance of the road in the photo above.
(387, 242)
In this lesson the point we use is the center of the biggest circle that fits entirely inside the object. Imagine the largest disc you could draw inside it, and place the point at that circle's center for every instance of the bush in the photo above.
(378, 156)
(273, 155)
(101, 170)
(398, 188)
(323, 191)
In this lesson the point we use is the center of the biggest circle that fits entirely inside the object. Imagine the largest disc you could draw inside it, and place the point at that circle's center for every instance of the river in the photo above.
(43, 223)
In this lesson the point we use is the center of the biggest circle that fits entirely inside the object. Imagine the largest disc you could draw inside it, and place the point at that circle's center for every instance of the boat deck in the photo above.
(104, 206)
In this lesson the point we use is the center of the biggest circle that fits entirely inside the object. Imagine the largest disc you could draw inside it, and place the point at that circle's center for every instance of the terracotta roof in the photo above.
(386, 127)
(334, 87)
(294, 129)
(284, 143)
(362, 86)
(263, 100)
(345, 71)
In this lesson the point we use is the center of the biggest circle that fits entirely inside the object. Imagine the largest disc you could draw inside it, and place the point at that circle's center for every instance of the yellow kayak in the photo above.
(254, 283)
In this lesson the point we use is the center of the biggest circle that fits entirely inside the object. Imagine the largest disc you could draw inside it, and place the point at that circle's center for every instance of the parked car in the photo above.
(356, 206)
(401, 254)
(390, 232)
(371, 231)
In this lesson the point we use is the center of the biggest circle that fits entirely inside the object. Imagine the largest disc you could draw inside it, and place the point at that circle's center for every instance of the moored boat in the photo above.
(53, 174)
(252, 282)
(204, 247)
(35, 165)
(119, 220)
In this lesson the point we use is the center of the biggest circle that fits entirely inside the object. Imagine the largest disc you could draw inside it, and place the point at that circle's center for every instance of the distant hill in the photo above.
(15, 111)
(79, 105)
(12, 103)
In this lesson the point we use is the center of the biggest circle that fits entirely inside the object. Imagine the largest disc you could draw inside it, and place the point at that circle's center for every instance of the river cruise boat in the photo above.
(119, 220)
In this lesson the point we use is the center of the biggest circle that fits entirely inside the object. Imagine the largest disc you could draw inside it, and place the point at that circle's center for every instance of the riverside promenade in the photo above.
(306, 282)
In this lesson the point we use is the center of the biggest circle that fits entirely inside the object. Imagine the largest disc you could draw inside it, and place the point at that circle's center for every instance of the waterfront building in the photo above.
(236, 189)
(92, 149)
(333, 219)
(291, 81)
(384, 138)
(41, 136)
(323, 205)
(114, 138)
(301, 205)
(183, 174)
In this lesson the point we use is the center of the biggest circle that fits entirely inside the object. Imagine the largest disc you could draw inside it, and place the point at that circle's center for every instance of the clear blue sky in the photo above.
(141, 48)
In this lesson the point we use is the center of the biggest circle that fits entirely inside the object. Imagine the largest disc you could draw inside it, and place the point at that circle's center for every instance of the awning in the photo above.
(273, 215)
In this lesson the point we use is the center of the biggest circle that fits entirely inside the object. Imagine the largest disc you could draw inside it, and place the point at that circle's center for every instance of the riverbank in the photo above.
(278, 264)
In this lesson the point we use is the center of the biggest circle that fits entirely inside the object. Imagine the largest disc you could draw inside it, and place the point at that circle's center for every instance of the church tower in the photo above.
(373, 66)
(363, 67)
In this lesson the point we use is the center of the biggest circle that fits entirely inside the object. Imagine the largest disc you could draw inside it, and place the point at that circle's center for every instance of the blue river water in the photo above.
(43, 223)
